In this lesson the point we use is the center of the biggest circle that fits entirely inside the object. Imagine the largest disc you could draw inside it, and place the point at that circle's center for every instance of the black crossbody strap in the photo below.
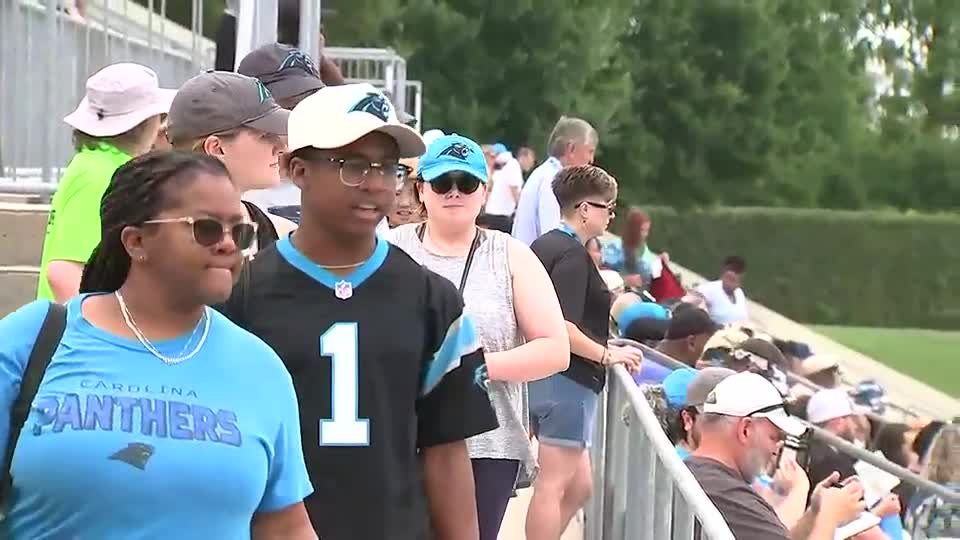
(43, 349)
(421, 229)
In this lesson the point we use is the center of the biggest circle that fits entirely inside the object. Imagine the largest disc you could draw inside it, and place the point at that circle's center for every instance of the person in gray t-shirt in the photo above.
(742, 428)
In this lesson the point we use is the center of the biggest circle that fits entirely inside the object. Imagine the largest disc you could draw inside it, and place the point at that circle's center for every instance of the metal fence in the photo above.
(383, 68)
(922, 484)
(47, 57)
(642, 489)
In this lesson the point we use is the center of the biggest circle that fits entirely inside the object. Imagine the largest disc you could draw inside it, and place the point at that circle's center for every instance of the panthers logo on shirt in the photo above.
(457, 150)
(134, 454)
(375, 104)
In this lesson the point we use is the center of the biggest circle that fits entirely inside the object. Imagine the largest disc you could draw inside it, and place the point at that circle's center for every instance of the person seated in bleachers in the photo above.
(929, 516)
(741, 428)
(834, 411)
(630, 255)
(725, 299)
(822, 370)
(686, 391)
(689, 330)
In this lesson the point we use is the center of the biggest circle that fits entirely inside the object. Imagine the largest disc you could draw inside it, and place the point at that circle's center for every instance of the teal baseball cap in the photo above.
(451, 153)
(642, 310)
(675, 386)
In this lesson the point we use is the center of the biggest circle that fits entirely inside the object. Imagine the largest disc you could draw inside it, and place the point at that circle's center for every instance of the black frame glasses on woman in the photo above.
(355, 171)
(465, 183)
(208, 231)
(610, 207)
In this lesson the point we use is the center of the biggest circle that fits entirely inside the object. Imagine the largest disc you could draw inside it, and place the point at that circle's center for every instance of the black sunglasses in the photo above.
(466, 184)
(209, 232)
(609, 207)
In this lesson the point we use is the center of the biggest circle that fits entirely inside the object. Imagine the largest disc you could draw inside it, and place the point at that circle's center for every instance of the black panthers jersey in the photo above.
(383, 363)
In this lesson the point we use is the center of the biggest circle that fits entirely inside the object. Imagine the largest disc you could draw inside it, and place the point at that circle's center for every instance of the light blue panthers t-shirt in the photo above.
(121, 445)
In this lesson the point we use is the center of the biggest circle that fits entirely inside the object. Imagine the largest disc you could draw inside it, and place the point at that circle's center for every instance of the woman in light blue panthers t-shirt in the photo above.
(157, 417)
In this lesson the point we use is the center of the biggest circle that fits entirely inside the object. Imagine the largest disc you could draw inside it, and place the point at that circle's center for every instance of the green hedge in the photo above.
(828, 267)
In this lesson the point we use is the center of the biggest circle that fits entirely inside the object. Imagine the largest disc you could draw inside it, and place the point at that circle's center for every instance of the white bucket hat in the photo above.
(119, 97)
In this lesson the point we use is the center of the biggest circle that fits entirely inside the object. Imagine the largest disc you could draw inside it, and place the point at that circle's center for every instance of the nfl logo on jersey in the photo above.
(343, 289)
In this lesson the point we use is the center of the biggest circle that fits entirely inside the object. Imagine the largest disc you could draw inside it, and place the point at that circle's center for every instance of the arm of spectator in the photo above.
(64, 278)
(330, 72)
(873, 533)
(791, 480)
(290, 523)
(73, 240)
(548, 209)
(448, 482)
(830, 508)
(547, 347)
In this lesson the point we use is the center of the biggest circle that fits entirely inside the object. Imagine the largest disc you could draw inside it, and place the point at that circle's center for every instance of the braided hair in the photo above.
(137, 193)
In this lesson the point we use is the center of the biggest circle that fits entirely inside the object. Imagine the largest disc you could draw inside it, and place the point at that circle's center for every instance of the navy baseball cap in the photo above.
(453, 153)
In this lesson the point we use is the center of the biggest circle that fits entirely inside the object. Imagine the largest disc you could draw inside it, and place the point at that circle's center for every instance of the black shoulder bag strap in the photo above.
(47, 342)
(421, 229)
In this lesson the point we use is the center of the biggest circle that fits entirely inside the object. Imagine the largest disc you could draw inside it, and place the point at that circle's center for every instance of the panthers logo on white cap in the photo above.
(375, 104)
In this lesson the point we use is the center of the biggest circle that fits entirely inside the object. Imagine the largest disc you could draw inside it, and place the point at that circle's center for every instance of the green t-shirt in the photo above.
(73, 228)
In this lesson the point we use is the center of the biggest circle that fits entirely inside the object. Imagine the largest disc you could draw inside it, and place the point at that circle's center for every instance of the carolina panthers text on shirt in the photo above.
(158, 412)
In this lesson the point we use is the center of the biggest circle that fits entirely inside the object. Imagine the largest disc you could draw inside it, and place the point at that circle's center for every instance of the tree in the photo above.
(506, 70)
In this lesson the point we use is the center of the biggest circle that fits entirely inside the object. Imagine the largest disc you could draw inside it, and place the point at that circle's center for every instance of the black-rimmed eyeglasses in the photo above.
(355, 171)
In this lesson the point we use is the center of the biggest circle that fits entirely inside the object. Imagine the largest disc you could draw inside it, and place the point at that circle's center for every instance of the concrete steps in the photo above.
(22, 227)
(18, 286)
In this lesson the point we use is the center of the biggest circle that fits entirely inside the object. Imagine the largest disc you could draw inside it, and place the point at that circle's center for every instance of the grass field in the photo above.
(931, 356)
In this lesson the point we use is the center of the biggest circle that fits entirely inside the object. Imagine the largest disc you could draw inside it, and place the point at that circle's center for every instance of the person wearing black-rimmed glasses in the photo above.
(387, 367)
(563, 406)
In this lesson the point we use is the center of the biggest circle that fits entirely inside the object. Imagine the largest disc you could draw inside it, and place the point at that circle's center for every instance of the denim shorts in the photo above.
(563, 412)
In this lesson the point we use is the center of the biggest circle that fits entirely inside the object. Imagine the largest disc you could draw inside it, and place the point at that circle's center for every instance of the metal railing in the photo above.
(383, 68)
(825, 437)
(46, 59)
(905, 475)
(642, 489)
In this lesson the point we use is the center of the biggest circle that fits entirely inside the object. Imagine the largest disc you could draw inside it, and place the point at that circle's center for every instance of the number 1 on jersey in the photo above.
(340, 343)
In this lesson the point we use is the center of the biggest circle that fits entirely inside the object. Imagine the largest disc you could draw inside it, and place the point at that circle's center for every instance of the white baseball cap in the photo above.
(829, 404)
(336, 116)
(748, 394)
(118, 98)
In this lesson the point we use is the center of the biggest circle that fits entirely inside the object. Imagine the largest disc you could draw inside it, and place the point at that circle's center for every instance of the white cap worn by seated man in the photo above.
(748, 395)
(741, 429)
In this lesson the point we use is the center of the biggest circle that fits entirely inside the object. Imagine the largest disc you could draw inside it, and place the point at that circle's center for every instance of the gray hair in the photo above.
(713, 422)
(570, 131)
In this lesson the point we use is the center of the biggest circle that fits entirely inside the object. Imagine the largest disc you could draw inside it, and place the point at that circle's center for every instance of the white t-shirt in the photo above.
(286, 193)
(500, 201)
(722, 310)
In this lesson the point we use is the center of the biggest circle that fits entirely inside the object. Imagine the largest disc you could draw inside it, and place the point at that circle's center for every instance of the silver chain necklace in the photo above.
(132, 325)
